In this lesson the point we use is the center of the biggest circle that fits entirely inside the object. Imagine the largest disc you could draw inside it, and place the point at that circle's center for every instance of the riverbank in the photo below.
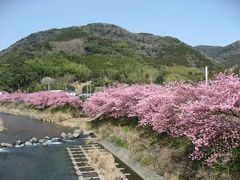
(161, 154)
(1, 126)
(62, 118)
(67, 119)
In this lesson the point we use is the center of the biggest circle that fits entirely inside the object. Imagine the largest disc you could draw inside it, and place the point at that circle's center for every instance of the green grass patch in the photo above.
(147, 160)
(119, 141)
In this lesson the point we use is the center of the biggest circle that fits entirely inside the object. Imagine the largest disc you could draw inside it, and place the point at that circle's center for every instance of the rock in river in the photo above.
(28, 143)
(47, 137)
(69, 135)
(89, 133)
(77, 133)
(34, 140)
(41, 141)
(17, 146)
(64, 135)
(19, 142)
(6, 145)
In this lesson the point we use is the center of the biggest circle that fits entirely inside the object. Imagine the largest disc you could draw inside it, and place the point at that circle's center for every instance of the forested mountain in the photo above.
(228, 55)
(103, 53)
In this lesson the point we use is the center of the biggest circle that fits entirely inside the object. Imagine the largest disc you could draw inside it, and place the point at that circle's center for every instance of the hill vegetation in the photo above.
(228, 55)
(103, 53)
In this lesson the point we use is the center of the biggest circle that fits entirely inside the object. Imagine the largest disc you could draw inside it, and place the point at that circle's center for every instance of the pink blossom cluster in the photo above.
(207, 115)
(43, 99)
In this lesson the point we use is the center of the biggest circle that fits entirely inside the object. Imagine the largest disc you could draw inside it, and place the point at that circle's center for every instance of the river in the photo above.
(36, 162)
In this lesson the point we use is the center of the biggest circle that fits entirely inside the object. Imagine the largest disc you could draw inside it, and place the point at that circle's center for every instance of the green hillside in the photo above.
(228, 55)
(103, 53)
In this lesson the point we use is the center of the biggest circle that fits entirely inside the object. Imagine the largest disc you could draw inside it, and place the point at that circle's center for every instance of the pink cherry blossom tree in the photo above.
(43, 99)
(207, 115)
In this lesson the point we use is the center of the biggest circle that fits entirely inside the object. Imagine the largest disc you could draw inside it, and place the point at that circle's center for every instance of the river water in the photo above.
(36, 162)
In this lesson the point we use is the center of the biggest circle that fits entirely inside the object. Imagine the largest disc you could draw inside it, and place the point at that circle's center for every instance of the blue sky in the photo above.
(209, 22)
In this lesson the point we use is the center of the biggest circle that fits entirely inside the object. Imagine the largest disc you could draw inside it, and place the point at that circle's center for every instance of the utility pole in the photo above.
(87, 88)
(206, 75)
(151, 79)
(90, 87)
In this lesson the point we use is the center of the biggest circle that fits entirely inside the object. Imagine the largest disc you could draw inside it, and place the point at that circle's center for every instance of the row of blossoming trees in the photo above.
(207, 115)
(42, 100)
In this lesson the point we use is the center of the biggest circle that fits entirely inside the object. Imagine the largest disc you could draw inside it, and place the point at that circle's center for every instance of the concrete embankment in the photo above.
(126, 157)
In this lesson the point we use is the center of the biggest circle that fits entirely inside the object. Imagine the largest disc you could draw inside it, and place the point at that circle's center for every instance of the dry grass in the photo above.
(1, 125)
(160, 157)
(81, 123)
(90, 141)
(105, 162)
(46, 115)
(130, 137)
(58, 117)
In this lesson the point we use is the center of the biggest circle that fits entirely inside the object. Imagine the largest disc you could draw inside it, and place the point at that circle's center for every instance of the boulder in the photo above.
(19, 142)
(64, 135)
(47, 137)
(69, 135)
(77, 133)
(17, 146)
(41, 141)
(28, 143)
(89, 133)
(6, 145)
(34, 140)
